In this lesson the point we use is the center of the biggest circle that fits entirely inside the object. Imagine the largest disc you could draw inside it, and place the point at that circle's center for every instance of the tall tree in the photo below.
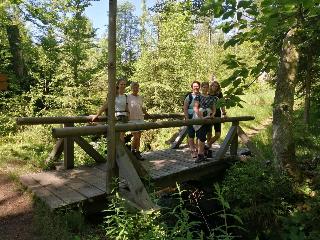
(167, 67)
(283, 142)
(77, 39)
(13, 25)
(127, 38)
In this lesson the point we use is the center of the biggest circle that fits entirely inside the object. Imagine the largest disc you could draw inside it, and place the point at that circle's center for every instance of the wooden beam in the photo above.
(179, 138)
(224, 146)
(89, 150)
(136, 163)
(128, 172)
(84, 119)
(246, 140)
(68, 147)
(234, 142)
(56, 151)
(55, 120)
(80, 131)
(123, 127)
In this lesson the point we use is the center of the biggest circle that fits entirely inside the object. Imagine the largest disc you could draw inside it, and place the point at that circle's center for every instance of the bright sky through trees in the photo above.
(97, 13)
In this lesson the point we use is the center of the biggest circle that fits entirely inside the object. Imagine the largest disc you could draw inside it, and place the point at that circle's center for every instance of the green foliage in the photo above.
(258, 194)
(166, 70)
(64, 224)
(170, 223)
(225, 231)
(127, 39)
(184, 227)
(122, 224)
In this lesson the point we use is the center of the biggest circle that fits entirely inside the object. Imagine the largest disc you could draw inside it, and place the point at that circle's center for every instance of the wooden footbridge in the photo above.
(163, 168)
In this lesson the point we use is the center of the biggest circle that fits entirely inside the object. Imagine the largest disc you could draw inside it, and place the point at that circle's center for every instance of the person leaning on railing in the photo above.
(121, 105)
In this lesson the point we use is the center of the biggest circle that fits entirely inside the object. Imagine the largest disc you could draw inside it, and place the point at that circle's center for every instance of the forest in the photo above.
(264, 53)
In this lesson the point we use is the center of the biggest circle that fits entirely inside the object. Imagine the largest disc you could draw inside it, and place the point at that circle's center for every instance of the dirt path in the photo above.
(255, 130)
(16, 211)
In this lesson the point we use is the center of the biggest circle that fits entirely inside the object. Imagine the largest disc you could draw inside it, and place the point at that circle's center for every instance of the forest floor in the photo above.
(16, 211)
(16, 205)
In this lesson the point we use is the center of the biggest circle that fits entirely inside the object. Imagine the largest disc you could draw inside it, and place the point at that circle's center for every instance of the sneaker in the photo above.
(200, 158)
(137, 154)
(210, 153)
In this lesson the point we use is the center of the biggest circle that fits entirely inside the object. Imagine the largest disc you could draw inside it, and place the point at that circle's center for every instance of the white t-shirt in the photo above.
(135, 104)
(120, 105)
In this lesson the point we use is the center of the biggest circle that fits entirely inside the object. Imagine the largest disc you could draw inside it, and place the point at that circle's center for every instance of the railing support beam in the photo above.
(68, 149)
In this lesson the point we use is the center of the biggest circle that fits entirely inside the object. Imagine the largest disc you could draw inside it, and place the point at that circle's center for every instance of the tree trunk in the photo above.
(306, 113)
(17, 56)
(283, 142)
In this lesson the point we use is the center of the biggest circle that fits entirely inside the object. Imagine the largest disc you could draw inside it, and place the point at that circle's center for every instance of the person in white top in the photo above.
(121, 105)
(136, 115)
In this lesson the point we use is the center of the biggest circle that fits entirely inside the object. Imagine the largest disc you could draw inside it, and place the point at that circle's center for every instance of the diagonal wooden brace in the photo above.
(129, 173)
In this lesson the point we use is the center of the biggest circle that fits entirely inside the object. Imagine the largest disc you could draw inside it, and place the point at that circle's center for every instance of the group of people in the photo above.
(203, 105)
(129, 108)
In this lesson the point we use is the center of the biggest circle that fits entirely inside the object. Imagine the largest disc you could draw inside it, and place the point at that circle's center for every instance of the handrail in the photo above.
(83, 119)
(122, 127)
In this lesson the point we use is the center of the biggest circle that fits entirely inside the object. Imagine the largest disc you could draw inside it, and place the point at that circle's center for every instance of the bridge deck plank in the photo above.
(165, 167)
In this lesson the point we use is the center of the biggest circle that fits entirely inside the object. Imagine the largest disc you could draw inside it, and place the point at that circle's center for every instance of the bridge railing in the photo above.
(230, 140)
(84, 119)
(131, 169)
(65, 144)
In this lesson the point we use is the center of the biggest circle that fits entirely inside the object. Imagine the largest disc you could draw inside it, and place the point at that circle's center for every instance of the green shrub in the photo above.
(258, 195)
(303, 223)
(123, 224)
(63, 224)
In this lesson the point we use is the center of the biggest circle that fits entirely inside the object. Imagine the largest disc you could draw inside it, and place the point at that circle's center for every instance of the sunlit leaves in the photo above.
(244, 4)
(228, 14)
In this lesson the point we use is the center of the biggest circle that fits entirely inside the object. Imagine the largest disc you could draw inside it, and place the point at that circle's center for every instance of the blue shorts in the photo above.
(190, 129)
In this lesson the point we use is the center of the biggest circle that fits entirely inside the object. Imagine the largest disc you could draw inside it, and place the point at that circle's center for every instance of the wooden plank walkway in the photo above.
(165, 168)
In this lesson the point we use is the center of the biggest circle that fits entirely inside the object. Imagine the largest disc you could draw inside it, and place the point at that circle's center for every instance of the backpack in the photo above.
(189, 94)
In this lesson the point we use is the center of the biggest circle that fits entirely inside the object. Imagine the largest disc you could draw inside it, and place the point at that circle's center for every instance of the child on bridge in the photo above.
(204, 107)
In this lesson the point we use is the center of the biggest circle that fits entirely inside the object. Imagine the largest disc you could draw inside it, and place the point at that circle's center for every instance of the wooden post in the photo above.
(68, 144)
(111, 154)
(234, 141)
